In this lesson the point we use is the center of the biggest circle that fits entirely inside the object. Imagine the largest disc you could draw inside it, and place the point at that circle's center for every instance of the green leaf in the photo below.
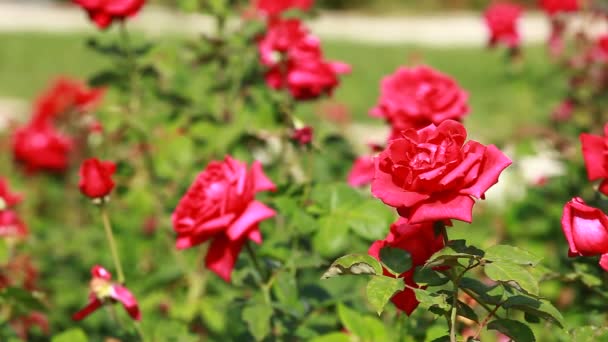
(428, 299)
(72, 335)
(353, 321)
(450, 254)
(511, 254)
(369, 219)
(381, 289)
(395, 259)
(355, 264)
(517, 331)
(333, 237)
(512, 274)
(424, 276)
(584, 272)
(536, 307)
(489, 294)
(258, 318)
(23, 298)
(466, 311)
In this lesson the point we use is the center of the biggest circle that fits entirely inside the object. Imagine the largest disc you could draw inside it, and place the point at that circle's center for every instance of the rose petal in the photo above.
(261, 181)
(594, 148)
(222, 255)
(459, 207)
(93, 305)
(255, 213)
(124, 296)
(494, 162)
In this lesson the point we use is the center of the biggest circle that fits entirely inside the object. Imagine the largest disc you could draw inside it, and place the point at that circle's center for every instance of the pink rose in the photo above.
(104, 290)
(96, 178)
(272, 8)
(595, 150)
(432, 174)
(104, 12)
(586, 229)
(220, 206)
(501, 20)
(40, 147)
(362, 172)
(11, 225)
(66, 95)
(419, 96)
(420, 242)
(552, 7)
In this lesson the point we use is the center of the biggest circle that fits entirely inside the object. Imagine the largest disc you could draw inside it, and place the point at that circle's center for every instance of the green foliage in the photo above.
(517, 331)
(380, 290)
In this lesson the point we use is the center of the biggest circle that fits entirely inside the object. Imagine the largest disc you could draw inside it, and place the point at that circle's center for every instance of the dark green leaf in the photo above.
(517, 331)
(536, 307)
(354, 264)
(381, 289)
(395, 259)
(467, 312)
(489, 294)
(425, 276)
(25, 299)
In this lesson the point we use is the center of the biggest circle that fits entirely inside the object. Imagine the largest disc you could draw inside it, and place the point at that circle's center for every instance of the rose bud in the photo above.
(586, 229)
(8, 199)
(303, 135)
(595, 148)
(103, 291)
(96, 178)
(501, 20)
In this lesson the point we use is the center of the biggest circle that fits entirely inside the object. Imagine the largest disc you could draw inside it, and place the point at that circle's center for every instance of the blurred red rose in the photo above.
(362, 171)
(66, 94)
(11, 225)
(103, 290)
(586, 229)
(96, 178)
(23, 324)
(276, 7)
(420, 242)
(416, 97)
(40, 147)
(432, 175)
(7, 198)
(303, 135)
(599, 52)
(564, 111)
(220, 206)
(295, 61)
(104, 12)
(595, 149)
(501, 19)
(552, 7)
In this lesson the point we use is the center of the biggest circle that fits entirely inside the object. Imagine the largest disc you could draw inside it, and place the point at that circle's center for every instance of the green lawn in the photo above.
(501, 98)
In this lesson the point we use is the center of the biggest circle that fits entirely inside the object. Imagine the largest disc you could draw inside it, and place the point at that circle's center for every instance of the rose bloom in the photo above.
(7, 198)
(595, 149)
(103, 290)
(586, 229)
(96, 178)
(24, 323)
(552, 7)
(276, 7)
(66, 94)
(599, 52)
(220, 206)
(104, 12)
(432, 174)
(11, 226)
(501, 20)
(420, 242)
(307, 80)
(282, 36)
(416, 97)
(40, 147)
(362, 172)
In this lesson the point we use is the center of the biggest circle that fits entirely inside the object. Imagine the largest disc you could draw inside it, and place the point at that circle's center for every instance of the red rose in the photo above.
(420, 242)
(552, 7)
(220, 206)
(362, 171)
(432, 175)
(24, 323)
(40, 147)
(64, 95)
(586, 229)
(96, 178)
(103, 290)
(7, 198)
(599, 52)
(501, 19)
(416, 97)
(595, 149)
(11, 226)
(303, 135)
(276, 7)
(103, 12)
(295, 61)
(564, 111)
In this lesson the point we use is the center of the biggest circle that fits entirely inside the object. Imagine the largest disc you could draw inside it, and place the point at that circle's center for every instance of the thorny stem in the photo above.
(110, 236)
(485, 321)
(453, 314)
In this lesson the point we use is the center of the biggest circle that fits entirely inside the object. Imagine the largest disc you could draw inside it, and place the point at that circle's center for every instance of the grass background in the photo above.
(502, 97)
